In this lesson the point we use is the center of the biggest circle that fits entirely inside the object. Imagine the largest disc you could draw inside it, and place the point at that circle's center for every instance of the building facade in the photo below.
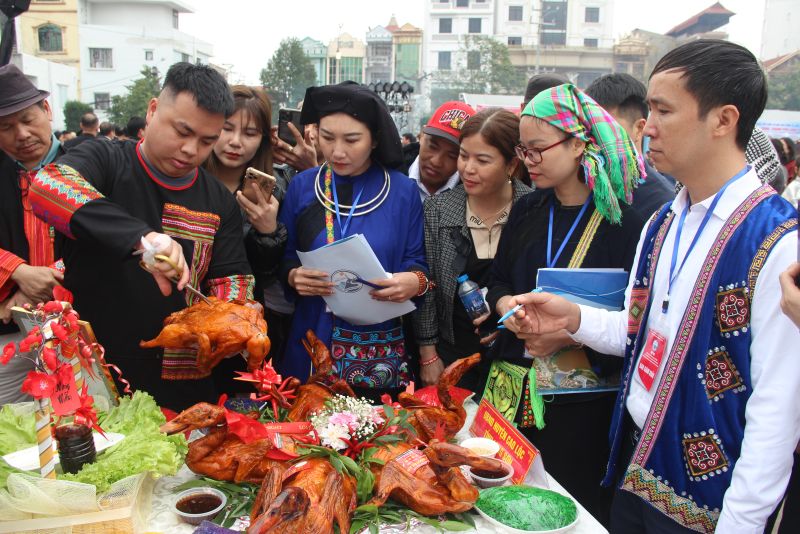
(380, 57)
(121, 37)
(572, 37)
(317, 53)
(407, 43)
(346, 59)
(49, 30)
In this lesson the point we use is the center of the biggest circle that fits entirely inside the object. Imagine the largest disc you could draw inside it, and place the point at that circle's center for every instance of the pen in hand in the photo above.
(515, 309)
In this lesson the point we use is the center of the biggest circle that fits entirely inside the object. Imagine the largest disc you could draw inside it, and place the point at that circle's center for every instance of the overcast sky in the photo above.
(245, 33)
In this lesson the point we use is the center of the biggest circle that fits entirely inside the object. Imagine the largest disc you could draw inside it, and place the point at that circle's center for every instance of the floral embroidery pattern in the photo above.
(703, 455)
(720, 374)
(733, 309)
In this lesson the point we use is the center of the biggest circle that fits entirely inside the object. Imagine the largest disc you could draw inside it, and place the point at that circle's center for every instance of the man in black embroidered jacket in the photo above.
(106, 197)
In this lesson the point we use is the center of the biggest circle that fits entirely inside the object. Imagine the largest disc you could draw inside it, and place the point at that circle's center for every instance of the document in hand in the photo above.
(347, 261)
(599, 288)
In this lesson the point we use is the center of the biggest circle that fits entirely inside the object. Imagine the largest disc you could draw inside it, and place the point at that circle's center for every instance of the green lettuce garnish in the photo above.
(17, 427)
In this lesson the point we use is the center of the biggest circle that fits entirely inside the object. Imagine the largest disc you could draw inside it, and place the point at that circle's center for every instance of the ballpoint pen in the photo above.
(515, 309)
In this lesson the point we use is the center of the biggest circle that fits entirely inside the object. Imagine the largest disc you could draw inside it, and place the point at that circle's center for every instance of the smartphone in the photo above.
(285, 116)
(265, 181)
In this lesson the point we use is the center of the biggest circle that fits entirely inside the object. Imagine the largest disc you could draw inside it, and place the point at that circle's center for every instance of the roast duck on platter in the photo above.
(217, 329)
(308, 494)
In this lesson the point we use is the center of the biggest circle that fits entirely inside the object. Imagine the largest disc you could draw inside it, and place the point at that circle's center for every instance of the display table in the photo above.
(164, 520)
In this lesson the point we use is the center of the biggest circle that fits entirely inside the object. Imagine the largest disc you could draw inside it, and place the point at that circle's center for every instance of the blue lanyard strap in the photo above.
(673, 273)
(343, 227)
(551, 262)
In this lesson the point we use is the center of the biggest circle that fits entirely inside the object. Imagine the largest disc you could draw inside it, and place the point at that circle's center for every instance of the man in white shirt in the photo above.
(708, 413)
(434, 170)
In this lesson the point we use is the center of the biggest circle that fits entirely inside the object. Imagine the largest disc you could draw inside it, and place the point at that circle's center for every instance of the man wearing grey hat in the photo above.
(27, 273)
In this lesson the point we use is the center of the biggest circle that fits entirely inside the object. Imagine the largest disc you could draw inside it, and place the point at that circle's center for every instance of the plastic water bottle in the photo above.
(471, 297)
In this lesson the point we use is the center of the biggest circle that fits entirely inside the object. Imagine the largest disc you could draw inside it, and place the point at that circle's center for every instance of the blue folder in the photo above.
(599, 288)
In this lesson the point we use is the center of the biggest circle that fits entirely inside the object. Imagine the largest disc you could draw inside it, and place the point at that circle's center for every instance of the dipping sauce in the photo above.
(199, 503)
(488, 474)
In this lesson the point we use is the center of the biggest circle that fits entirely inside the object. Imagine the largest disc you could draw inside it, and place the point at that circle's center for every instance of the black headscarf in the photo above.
(363, 105)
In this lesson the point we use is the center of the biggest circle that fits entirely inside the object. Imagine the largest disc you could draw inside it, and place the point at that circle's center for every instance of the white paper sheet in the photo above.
(345, 261)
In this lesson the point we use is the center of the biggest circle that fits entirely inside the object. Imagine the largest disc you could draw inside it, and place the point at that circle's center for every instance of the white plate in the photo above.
(28, 459)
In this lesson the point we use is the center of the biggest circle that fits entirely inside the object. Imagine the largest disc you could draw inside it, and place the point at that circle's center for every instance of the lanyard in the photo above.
(343, 227)
(673, 273)
(551, 262)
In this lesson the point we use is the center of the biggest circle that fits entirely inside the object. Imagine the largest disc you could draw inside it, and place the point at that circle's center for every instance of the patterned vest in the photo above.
(691, 440)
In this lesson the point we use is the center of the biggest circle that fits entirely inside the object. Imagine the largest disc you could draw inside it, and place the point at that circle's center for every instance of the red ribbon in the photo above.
(86, 414)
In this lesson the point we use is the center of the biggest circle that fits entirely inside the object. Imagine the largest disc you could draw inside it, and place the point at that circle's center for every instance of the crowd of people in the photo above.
(670, 182)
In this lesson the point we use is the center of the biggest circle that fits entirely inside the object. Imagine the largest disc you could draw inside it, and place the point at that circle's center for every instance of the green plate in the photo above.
(528, 509)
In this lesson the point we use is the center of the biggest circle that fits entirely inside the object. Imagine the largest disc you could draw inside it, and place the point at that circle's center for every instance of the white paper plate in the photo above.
(28, 459)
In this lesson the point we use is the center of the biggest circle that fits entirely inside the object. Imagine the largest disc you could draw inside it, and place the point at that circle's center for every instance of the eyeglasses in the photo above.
(534, 155)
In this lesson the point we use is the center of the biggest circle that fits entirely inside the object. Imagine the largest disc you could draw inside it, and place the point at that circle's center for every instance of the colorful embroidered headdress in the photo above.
(611, 165)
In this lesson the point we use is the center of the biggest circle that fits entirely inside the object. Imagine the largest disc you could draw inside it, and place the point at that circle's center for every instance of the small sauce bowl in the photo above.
(198, 504)
(484, 481)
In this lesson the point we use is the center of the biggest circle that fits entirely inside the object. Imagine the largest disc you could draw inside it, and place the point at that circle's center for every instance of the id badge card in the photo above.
(652, 354)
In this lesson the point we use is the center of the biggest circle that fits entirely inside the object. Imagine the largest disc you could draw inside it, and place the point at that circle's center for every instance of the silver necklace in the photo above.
(365, 207)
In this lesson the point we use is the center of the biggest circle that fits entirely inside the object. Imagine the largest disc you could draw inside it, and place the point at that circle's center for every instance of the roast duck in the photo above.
(310, 495)
(217, 329)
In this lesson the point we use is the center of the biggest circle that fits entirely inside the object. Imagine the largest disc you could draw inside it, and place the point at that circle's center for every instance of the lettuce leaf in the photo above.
(17, 427)
(145, 447)
(133, 413)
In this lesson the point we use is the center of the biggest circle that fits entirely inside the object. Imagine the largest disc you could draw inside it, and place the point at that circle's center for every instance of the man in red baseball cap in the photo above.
(435, 167)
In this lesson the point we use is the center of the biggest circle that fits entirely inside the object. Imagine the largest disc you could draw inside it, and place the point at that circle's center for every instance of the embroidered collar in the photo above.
(168, 182)
(48, 158)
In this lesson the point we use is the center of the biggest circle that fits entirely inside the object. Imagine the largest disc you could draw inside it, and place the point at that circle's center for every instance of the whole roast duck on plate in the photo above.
(217, 329)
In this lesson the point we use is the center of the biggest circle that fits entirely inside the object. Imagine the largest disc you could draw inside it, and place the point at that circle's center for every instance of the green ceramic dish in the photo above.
(528, 509)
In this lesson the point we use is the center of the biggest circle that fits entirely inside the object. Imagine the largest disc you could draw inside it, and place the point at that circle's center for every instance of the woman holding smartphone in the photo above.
(353, 192)
(462, 229)
(244, 142)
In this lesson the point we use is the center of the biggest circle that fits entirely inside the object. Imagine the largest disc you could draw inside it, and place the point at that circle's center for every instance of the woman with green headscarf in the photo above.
(584, 167)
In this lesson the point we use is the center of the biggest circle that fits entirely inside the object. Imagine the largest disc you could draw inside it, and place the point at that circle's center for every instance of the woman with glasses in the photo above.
(462, 229)
(584, 167)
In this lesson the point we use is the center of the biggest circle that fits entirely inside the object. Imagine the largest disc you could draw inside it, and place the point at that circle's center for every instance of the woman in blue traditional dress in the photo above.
(353, 192)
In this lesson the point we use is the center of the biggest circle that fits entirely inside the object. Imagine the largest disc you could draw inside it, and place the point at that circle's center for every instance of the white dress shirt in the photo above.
(772, 415)
(413, 173)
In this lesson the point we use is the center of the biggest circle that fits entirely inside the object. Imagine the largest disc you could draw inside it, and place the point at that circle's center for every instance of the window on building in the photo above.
(474, 25)
(175, 18)
(590, 43)
(445, 25)
(592, 14)
(554, 38)
(444, 60)
(101, 58)
(102, 101)
(185, 57)
(473, 60)
(148, 55)
(50, 38)
(515, 41)
(514, 13)
(462, 3)
(554, 15)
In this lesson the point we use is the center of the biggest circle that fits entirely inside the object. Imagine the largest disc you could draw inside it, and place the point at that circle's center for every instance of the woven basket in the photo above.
(124, 509)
